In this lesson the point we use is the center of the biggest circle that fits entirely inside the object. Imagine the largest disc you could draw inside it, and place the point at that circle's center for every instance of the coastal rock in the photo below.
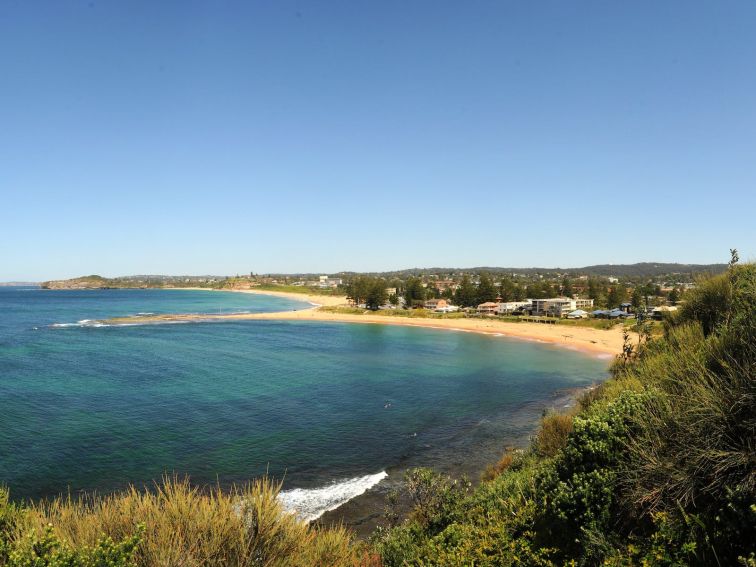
(85, 282)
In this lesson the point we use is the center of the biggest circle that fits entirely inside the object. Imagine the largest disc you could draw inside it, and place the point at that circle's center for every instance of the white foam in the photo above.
(82, 323)
(311, 503)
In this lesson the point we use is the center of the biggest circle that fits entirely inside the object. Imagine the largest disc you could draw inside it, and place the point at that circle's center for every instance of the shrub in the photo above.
(578, 488)
(494, 470)
(553, 435)
(46, 550)
(183, 525)
(435, 498)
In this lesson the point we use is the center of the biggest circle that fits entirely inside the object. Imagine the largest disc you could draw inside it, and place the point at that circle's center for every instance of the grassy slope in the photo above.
(175, 524)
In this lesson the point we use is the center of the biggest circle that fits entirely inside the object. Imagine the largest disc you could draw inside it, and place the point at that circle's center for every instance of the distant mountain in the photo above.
(643, 269)
(18, 284)
(651, 269)
(640, 270)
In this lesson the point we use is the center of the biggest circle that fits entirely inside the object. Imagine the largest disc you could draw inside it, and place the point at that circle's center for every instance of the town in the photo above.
(644, 290)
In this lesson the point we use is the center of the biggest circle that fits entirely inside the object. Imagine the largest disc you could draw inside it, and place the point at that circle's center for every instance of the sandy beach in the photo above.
(607, 342)
(317, 300)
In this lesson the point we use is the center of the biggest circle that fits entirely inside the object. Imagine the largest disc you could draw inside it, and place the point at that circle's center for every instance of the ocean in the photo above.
(331, 409)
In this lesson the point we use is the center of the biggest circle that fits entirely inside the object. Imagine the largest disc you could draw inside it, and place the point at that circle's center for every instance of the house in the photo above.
(326, 282)
(488, 308)
(443, 285)
(390, 291)
(511, 306)
(610, 314)
(577, 314)
(435, 304)
(558, 306)
(447, 309)
(616, 314)
(659, 312)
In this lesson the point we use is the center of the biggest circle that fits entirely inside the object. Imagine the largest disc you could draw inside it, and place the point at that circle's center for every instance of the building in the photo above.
(577, 314)
(488, 308)
(511, 306)
(447, 309)
(558, 306)
(443, 285)
(390, 291)
(326, 282)
(434, 304)
(659, 312)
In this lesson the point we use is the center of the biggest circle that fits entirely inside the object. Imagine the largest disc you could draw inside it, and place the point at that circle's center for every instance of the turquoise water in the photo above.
(85, 408)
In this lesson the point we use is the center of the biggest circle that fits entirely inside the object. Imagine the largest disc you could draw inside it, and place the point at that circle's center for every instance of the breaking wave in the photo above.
(311, 503)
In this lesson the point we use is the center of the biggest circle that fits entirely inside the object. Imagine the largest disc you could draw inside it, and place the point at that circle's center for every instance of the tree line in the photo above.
(372, 291)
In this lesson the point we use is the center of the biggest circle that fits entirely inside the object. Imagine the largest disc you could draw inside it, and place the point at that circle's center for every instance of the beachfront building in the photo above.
(434, 304)
(558, 306)
(447, 309)
(577, 314)
(508, 307)
(488, 308)
(326, 282)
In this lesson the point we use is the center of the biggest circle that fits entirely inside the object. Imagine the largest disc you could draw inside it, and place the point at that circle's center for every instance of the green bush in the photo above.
(46, 550)
(578, 489)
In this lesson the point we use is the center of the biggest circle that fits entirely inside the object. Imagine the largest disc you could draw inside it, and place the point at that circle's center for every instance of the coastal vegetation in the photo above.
(173, 524)
(656, 466)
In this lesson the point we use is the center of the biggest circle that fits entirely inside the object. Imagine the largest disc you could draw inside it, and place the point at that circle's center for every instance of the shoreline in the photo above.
(595, 341)
(602, 342)
(311, 298)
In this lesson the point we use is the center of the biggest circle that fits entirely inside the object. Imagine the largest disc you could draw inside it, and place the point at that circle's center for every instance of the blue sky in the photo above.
(228, 137)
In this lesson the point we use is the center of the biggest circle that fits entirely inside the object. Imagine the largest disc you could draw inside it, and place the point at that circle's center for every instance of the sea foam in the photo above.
(311, 503)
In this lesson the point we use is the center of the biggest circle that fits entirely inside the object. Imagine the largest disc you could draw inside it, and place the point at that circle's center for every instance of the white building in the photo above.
(558, 306)
(510, 307)
(326, 281)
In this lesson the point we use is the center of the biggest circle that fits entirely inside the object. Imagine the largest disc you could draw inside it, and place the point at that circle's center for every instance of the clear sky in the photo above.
(227, 137)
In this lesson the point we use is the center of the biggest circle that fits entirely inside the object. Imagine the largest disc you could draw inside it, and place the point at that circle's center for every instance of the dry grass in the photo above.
(187, 526)
(494, 470)
(552, 437)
